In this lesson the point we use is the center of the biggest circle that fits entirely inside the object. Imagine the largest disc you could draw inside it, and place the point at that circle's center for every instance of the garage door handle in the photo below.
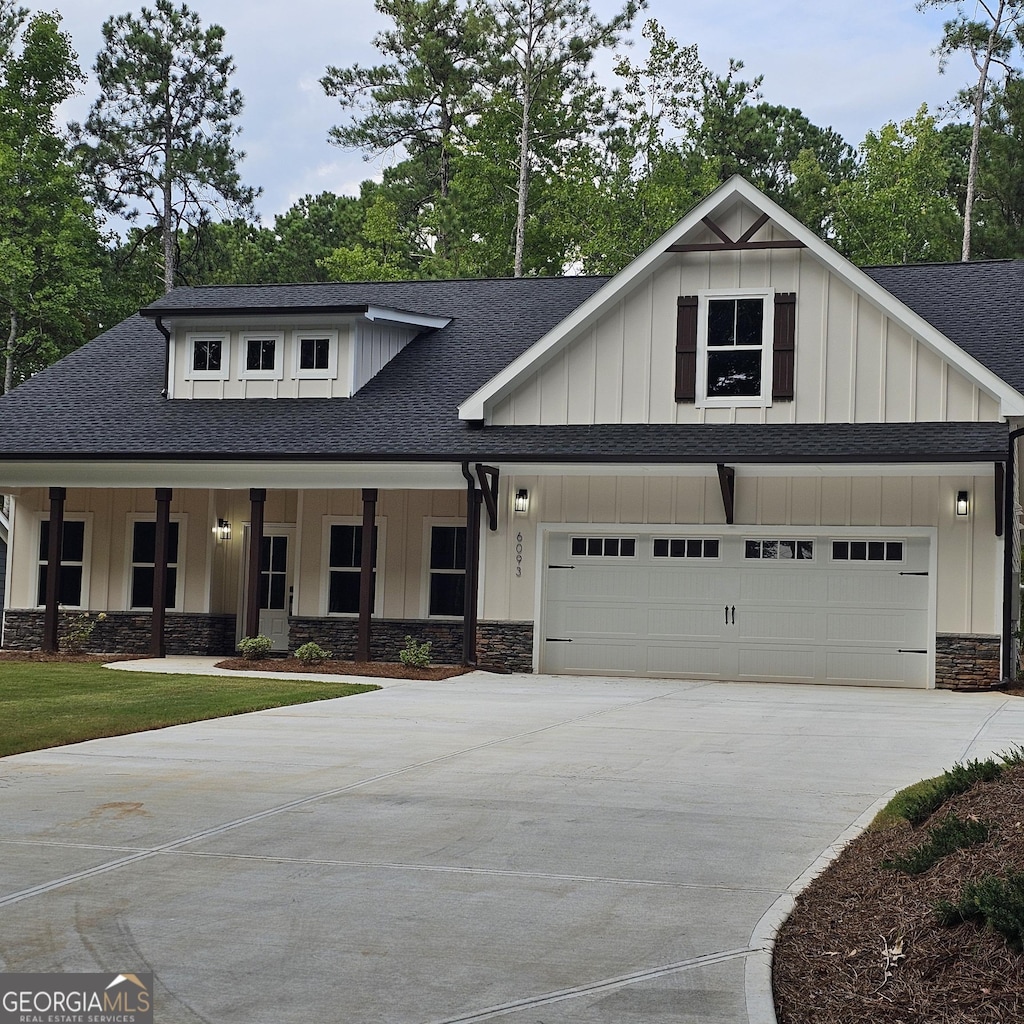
(911, 650)
(733, 615)
(561, 566)
(913, 574)
(558, 640)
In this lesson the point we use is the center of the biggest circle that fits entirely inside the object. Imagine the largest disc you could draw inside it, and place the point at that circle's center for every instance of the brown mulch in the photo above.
(830, 956)
(377, 669)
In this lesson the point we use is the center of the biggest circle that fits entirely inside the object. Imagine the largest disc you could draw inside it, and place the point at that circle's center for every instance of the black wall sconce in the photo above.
(522, 500)
(222, 530)
(963, 503)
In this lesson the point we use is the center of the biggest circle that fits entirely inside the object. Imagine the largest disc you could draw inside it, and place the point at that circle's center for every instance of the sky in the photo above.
(849, 64)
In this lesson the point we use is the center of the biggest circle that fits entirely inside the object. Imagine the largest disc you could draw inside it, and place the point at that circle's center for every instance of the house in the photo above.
(740, 458)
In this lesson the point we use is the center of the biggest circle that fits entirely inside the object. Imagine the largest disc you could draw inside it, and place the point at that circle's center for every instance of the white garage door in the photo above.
(816, 609)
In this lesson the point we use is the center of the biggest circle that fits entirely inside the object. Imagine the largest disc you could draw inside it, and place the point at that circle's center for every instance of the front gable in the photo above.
(740, 314)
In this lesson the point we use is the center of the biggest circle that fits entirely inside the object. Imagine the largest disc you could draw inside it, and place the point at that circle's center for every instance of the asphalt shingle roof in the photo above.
(104, 400)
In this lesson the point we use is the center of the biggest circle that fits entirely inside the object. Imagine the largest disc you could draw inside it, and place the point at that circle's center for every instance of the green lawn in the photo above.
(46, 704)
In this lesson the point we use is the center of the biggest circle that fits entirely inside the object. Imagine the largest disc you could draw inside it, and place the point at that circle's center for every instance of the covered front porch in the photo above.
(285, 560)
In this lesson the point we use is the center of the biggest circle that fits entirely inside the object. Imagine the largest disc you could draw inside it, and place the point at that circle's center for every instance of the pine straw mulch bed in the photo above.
(375, 669)
(830, 964)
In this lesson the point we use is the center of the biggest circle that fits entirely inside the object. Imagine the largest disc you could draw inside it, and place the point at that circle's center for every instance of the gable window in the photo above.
(207, 357)
(144, 564)
(447, 585)
(261, 356)
(344, 558)
(316, 354)
(735, 349)
(72, 562)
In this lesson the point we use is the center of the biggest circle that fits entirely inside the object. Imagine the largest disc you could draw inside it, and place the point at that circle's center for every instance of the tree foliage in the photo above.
(162, 131)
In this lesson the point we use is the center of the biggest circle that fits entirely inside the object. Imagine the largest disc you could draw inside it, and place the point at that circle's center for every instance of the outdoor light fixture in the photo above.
(962, 503)
(522, 500)
(222, 530)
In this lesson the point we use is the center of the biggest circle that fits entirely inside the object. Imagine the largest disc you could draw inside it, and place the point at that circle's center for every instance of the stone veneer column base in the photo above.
(185, 633)
(967, 661)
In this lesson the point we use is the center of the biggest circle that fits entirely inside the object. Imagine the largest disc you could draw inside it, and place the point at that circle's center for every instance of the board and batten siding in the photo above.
(969, 554)
(853, 363)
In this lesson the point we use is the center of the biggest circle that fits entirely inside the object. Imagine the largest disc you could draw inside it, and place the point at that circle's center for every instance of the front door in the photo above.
(276, 585)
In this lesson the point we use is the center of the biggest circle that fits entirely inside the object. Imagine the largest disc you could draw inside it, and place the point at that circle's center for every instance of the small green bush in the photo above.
(951, 834)
(997, 902)
(78, 630)
(312, 653)
(918, 802)
(417, 655)
(255, 648)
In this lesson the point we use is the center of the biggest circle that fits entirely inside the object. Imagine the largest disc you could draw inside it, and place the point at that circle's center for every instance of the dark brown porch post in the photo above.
(366, 574)
(474, 501)
(53, 555)
(157, 646)
(257, 498)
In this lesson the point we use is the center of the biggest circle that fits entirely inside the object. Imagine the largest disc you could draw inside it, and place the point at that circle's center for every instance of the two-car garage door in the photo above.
(760, 606)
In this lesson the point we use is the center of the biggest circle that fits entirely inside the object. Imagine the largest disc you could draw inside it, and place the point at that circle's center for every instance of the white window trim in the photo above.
(325, 560)
(243, 353)
(224, 338)
(331, 373)
(87, 518)
(181, 518)
(767, 341)
(428, 525)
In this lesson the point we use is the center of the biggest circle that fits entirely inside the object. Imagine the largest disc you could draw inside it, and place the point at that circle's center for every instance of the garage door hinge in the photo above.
(913, 573)
(561, 566)
(558, 640)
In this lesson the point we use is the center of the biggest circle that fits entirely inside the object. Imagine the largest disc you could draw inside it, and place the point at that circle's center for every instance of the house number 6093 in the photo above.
(519, 554)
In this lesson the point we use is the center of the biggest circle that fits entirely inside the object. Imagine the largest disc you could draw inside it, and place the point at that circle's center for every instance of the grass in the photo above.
(49, 704)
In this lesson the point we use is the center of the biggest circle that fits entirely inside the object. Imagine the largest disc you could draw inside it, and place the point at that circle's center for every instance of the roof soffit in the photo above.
(719, 205)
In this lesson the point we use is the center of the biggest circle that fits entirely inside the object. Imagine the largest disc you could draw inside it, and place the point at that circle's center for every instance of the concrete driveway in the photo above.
(535, 849)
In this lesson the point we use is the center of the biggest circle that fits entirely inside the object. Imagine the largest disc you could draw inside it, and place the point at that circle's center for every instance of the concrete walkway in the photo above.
(525, 848)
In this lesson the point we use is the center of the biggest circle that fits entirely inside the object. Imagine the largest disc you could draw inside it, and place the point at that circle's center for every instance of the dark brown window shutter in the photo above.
(784, 347)
(686, 349)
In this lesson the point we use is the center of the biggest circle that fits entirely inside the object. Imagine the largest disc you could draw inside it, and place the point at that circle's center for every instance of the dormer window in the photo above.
(262, 354)
(207, 357)
(316, 355)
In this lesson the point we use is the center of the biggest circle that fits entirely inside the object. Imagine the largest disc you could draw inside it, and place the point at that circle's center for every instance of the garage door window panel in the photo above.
(783, 550)
(603, 547)
(686, 547)
(867, 551)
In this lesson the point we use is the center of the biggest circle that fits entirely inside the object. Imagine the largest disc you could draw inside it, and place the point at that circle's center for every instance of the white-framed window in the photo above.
(141, 536)
(208, 355)
(262, 355)
(781, 550)
(734, 347)
(342, 557)
(686, 547)
(316, 354)
(446, 570)
(73, 562)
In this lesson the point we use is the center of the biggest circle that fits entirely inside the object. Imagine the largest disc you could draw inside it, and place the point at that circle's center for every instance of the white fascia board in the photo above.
(478, 405)
(400, 316)
(225, 475)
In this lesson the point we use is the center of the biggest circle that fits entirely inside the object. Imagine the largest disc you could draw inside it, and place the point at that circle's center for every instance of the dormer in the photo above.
(281, 352)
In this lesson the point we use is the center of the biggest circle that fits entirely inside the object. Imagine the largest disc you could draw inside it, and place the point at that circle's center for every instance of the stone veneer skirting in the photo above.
(186, 633)
(501, 646)
(967, 661)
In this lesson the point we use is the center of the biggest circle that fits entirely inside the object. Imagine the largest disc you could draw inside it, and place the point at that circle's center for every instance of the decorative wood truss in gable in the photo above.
(728, 244)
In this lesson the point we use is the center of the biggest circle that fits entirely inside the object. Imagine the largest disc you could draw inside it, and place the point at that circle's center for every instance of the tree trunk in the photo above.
(524, 145)
(168, 232)
(979, 108)
(12, 340)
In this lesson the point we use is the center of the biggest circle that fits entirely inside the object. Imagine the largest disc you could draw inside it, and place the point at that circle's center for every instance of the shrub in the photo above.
(919, 801)
(998, 902)
(417, 655)
(312, 653)
(951, 834)
(255, 647)
(78, 630)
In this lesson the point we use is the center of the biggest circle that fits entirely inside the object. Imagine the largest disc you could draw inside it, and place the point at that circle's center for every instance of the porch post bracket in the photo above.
(157, 644)
(727, 482)
(488, 477)
(257, 499)
(366, 560)
(53, 557)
